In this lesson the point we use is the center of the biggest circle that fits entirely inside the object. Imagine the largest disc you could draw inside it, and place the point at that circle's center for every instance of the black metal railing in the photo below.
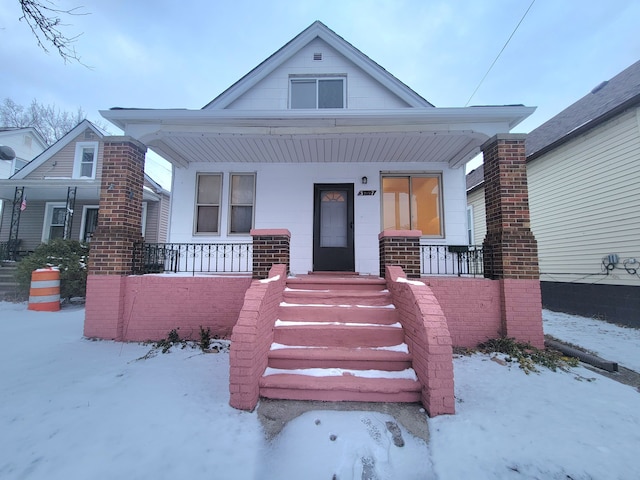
(452, 260)
(193, 258)
(9, 250)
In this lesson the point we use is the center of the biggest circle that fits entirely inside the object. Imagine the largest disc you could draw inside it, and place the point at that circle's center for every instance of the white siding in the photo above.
(585, 203)
(284, 199)
(476, 200)
(363, 92)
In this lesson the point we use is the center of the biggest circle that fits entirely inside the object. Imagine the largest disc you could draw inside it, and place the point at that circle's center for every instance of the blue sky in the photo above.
(182, 54)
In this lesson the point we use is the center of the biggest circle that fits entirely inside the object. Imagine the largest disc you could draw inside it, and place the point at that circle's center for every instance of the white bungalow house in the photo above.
(322, 141)
(26, 143)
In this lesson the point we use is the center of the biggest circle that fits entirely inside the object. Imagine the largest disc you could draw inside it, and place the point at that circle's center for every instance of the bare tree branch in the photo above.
(48, 120)
(46, 25)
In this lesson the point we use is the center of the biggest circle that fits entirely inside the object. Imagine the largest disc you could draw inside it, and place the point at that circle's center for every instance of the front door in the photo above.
(333, 228)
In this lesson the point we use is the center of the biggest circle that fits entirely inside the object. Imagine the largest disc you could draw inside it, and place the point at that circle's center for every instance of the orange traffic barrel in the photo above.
(44, 295)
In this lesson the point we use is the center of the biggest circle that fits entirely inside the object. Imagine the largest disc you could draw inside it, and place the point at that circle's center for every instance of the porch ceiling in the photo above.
(451, 135)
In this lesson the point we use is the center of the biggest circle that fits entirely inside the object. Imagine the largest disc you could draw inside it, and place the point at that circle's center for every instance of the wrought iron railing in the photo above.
(9, 250)
(452, 260)
(193, 258)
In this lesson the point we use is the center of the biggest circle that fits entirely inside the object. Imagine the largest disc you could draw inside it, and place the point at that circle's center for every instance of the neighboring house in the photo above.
(27, 143)
(56, 195)
(322, 141)
(583, 169)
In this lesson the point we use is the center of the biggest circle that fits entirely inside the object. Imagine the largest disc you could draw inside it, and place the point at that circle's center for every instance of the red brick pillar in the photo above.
(510, 249)
(401, 248)
(119, 229)
(270, 247)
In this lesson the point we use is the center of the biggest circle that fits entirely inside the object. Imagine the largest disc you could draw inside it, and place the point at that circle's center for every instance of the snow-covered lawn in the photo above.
(71, 408)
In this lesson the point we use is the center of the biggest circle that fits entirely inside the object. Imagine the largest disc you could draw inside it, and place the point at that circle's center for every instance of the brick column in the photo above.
(510, 249)
(119, 228)
(401, 248)
(270, 247)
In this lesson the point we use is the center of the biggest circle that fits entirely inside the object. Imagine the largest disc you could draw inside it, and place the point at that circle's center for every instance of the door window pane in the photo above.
(333, 219)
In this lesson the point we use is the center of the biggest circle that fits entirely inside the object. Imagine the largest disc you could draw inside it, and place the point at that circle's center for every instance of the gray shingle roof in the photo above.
(603, 101)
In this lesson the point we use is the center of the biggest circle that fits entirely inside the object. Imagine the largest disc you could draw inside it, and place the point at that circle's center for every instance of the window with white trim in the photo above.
(242, 202)
(413, 202)
(54, 217)
(86, 159)
(317, 92)
(208, 195)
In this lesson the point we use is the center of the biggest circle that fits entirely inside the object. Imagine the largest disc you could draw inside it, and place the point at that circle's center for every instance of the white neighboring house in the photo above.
(57, 194)
(583, 171)
(27, 144)
(319, 140)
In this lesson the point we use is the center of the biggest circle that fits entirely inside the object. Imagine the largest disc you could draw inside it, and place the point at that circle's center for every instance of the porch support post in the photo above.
(270, 247)
(400, 248)
(510, 249)
(119, 229)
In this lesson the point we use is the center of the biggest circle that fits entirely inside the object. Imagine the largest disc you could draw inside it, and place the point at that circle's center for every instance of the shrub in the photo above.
(70, 256)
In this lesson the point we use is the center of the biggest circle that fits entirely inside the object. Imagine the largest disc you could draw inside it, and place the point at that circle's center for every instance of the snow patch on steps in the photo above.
(285, 304)
(408, 373)
(402, 347)
(286, 323)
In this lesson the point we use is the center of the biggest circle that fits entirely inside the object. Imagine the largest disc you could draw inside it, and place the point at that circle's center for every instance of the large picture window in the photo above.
(208, 194)
(317, 92)
(412, 202)
(242, 202)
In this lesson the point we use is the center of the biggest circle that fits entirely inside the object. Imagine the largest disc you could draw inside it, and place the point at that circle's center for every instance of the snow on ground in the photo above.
(74, 408)
(588, 333)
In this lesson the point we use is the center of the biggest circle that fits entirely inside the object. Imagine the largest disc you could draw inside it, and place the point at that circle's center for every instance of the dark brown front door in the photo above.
(333, 228)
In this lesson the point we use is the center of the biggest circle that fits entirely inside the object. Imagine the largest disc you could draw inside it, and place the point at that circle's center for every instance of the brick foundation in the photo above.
(270, 247)
(401, 248)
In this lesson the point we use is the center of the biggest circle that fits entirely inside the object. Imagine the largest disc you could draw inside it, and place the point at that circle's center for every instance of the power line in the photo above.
(498, 56)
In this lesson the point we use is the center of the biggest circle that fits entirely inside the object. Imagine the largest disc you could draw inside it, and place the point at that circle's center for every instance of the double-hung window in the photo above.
(413, 202)
(320, 92)
(208, 195)
(242, 202)
(86, 158)
(54, 219)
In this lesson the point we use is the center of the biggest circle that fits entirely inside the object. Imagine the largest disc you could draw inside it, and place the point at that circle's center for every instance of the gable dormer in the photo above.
(318, 70)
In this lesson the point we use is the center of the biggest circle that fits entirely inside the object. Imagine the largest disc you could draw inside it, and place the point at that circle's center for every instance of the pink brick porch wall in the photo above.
(252, 338)
(429, 341)
(472, 308)
(153, 305)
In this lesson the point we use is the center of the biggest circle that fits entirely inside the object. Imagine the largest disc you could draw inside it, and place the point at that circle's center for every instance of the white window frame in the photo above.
(14, 168)
(410, 175)
(317, 78)
(84, 219)
(77, 162)
(144, 218)
(195, 203)
(231, 204)
(48, 217)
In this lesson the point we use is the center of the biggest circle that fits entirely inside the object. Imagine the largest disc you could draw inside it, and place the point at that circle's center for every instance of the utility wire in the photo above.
(498, 56)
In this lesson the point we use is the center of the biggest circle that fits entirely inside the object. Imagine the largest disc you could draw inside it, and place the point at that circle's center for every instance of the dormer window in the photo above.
(317, 92)
(86, 158)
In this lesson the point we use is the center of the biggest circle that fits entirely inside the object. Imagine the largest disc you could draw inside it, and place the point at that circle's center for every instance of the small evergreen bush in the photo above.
(70, 256)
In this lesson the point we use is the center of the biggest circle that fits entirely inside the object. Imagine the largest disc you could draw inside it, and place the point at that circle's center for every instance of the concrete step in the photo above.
(337, 297)
(394, 358)
(328, 334)
(384, 315)
(333, 282)
(341, 387)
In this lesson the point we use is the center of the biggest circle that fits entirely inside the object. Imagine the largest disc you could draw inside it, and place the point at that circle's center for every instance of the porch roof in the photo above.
(451, 135)
(55, 189)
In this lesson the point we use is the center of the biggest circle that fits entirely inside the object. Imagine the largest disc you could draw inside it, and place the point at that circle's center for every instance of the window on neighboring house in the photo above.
(412, 202)
(326, 92)
(85, 161)
(470, 235)
(242, 202)
(208, 193)
(18, 164)
(54, 221)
